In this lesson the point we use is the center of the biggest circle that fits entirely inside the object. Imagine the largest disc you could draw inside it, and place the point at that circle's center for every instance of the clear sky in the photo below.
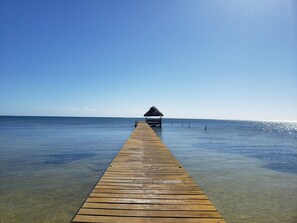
(234, 59)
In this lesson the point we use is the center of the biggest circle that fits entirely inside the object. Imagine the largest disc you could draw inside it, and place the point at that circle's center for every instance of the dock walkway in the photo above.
(145, 183)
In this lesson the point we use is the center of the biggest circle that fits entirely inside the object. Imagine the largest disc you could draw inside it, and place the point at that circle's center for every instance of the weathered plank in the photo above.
(121, 219)
(145, 213)
(145, 183)
(152, 192)
(150, 207)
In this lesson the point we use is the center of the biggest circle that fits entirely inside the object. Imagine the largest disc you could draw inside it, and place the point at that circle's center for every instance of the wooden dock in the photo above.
(145, 183)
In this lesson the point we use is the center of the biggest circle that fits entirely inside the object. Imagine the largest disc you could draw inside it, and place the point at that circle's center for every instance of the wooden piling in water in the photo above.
(145, 183)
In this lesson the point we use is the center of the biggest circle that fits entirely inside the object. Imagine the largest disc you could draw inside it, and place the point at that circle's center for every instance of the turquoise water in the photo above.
(49, 165)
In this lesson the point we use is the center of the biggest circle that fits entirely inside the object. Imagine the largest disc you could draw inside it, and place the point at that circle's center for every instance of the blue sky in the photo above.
(234, 59)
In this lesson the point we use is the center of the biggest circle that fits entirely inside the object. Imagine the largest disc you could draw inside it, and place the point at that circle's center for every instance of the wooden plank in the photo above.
(145, 201)
(144, 176)
(151, 207)
(150, 196)
(149, 181)
(115, 219)
(148, 187)
(141, 191)
(146, 213)
(145, 183)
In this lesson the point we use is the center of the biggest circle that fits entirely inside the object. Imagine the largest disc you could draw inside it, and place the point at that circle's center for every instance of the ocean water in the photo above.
(49, 165)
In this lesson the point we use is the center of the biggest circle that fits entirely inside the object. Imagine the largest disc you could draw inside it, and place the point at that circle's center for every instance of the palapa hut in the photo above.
(150, 117)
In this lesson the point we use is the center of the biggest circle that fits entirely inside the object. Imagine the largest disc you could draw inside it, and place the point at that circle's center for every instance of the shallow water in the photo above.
(248, 169)
(49, 165)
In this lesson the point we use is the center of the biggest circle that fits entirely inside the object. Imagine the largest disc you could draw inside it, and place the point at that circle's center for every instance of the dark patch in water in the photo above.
(275, 157)
(58, 159)
(281, 167)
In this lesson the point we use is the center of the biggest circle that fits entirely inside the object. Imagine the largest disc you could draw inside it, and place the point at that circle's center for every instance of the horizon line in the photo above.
(138, 117)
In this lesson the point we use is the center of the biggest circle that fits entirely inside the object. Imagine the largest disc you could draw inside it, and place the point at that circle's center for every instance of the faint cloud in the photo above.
(138, 113)
(57, 110)
(38, 107)
(89, 109)
(68, 108)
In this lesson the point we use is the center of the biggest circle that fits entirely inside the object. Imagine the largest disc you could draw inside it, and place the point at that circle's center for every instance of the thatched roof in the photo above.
(153, 112)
